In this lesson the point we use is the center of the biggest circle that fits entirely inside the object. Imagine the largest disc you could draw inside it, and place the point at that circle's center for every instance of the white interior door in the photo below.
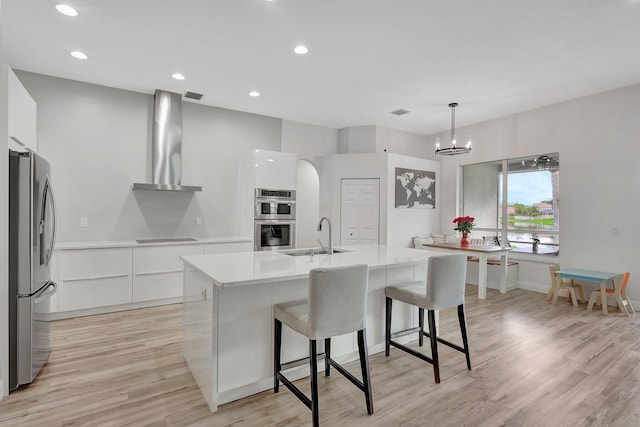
(359, 211)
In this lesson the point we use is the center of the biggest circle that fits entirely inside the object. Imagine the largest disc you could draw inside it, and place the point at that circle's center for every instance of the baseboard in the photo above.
(112, 308)
(543, 289)
(535, 287)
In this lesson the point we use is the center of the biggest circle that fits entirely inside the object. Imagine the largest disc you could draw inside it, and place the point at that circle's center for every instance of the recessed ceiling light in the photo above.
(254, 93)
(301, 50)
(177, 76)
(79, 55)
(65, 9)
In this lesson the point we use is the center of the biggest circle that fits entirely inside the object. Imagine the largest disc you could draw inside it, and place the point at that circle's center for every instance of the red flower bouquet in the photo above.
(464, 223)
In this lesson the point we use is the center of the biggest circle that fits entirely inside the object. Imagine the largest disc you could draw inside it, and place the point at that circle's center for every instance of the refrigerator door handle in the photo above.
(55, 223)
(45, 293)
(45, 257)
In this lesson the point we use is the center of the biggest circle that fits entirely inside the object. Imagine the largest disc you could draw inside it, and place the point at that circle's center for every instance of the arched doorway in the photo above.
(307, 204)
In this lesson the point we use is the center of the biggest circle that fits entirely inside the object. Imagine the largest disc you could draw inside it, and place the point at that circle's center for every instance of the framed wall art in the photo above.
(415, 189)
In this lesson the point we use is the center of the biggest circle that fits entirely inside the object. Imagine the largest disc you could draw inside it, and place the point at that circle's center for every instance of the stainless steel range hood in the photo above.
(166, 145)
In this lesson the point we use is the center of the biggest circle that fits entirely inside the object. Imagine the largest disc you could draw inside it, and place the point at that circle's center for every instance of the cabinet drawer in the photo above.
(89, 293)
(161, 259)
(86, 264)
(151, 287)
(221, 248)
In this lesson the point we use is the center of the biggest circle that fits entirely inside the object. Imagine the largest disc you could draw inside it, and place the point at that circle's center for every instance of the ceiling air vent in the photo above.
(400, 112)
(193, 95)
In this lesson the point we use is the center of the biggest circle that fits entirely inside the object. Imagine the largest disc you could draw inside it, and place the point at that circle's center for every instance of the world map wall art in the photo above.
(415, 189)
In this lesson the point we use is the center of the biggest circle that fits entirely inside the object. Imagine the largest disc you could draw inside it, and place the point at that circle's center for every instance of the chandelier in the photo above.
(541, 163)
(454, 149)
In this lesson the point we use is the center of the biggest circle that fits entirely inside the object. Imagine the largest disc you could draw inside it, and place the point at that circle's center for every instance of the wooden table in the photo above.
(592, 276)
(483, 253)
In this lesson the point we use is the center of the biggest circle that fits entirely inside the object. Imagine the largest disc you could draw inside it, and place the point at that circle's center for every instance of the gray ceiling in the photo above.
(367, 57)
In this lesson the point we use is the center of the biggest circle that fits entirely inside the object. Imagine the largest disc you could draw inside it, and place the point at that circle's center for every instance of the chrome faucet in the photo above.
(329, 250)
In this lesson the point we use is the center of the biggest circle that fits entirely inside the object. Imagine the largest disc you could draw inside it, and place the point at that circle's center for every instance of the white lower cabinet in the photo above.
(157, 271)
(100, 280)
(91, 278)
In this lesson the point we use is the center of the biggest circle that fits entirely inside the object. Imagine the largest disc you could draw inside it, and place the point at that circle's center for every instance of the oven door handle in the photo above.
(275, 222)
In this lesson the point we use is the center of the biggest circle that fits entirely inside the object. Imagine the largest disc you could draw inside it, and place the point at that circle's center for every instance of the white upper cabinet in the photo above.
(22, 117)
(275, 170)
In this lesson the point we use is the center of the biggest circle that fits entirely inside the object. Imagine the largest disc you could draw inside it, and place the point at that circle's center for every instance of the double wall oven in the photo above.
(275, 219)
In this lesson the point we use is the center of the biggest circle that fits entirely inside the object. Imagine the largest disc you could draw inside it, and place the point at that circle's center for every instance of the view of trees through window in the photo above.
(531, 205)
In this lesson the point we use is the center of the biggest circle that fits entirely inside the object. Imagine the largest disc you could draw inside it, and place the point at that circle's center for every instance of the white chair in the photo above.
(336, 306)
(444, 288)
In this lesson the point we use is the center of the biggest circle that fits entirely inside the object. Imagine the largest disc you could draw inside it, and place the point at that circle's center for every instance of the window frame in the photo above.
(503, 208)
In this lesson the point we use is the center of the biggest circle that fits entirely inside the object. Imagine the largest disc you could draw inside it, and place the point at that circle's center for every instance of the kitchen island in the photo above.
(228, 323)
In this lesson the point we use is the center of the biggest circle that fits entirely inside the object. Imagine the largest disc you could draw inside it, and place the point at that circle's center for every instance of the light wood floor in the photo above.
(534, 364)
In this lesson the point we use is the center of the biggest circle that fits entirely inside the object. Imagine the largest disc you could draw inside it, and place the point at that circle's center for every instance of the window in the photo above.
(531, 207)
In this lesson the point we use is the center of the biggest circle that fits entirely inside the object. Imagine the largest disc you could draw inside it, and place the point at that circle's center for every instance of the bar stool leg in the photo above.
(364, 367)
(313, 364)
(463, 330)
(387, 335)
(327, 357)
(277, 332)
(434, 344)
(421, 324)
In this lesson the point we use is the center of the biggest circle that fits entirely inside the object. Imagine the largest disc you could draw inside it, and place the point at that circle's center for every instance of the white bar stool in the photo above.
(444, 288)
(336, 306)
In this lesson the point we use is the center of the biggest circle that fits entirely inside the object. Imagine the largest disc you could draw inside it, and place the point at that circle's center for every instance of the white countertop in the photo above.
(133, 243)
(247, 268)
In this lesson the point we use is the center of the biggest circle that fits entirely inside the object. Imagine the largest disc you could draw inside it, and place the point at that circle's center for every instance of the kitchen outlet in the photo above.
(615, 231)
(84, 222)
(198, 220)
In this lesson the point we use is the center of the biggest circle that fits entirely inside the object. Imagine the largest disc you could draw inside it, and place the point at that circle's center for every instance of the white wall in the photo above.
(404, 143)
(337, 167)
(378, 139)
(4, 238)
(597, 138)
(357, 139)
(402, 224)
(97, 140)
(308, 141)
(397, 226)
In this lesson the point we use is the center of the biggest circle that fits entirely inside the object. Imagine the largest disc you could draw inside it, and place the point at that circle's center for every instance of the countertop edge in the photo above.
(133, 244)
(194, 262)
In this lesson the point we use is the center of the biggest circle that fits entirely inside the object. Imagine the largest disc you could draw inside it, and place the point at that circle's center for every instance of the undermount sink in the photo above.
(310, 251)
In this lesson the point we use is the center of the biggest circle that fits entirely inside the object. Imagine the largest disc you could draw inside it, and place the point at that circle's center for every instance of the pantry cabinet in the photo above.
(22, 116)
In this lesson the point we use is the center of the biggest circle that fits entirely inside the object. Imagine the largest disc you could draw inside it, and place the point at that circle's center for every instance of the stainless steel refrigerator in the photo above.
(32, 230)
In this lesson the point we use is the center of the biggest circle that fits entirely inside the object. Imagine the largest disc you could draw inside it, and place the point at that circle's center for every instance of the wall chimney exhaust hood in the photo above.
(166, 145)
